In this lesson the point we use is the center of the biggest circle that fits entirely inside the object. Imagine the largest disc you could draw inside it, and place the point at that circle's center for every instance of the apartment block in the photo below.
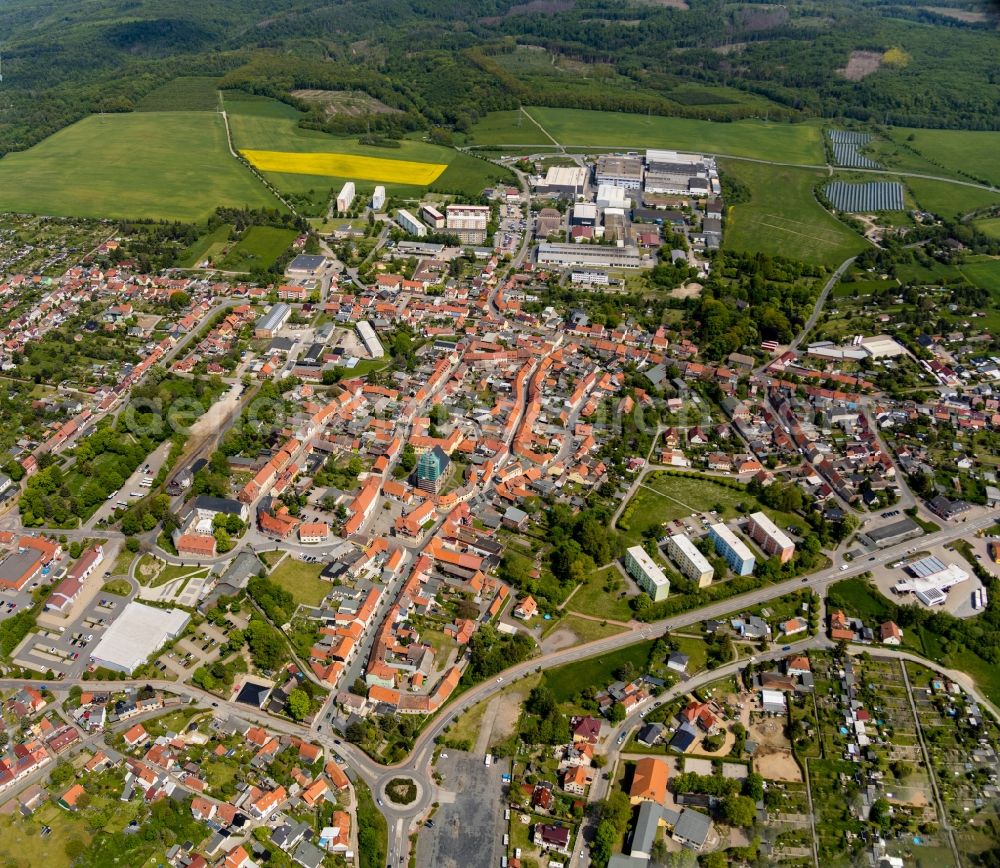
(641, 567)
(771, 538)
(733, 549)
(691, 562)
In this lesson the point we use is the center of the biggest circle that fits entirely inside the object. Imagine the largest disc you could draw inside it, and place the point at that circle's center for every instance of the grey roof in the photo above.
(244, 566)
(307, 855)
(219, 504)
(620, 860)
(306, 262)
(646, 824)
(693, 826)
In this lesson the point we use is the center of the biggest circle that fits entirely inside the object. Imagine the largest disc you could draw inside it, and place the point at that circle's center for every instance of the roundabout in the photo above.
(401, 791)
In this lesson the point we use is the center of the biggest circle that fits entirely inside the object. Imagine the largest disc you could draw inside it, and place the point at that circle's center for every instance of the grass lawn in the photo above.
(206, 247)
(302, 581)
(792, 143)
(258, 248)
(119, 587)
(783, 216)
(856, 597)
(177, 571)
(24, 847)
(948, 200)
(696, 651)
(160, 165)
(371, 825)
(983, 271)
(219, 773)
(591, 598)
(584, 629)
(567, 681)
(122, 562)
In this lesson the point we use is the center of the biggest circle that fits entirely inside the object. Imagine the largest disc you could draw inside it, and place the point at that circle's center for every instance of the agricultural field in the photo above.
(259, 247)
(344, 102)
(983, 271)
(792, 143)
(311, 162)
(190, 93)
(989, 226)
(783, 217)
(153, 165)
(377, 169)
(975, 153)
(949, 200)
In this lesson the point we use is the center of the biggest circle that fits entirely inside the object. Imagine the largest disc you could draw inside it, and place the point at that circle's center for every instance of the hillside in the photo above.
(448, 63)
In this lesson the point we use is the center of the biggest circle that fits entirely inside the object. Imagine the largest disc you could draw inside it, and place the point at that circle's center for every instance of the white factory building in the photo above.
(370, 339)
(137, 633)
(929, 580)
(590, 255)
(345, 198)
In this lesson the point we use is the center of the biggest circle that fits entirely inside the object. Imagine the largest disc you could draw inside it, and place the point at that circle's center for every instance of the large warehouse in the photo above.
(136, 634)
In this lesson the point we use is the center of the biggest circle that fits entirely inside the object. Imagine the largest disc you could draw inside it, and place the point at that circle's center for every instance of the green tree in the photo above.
(739, 810)
(298, 704)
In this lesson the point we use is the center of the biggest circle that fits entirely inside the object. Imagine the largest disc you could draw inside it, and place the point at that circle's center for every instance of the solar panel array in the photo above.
(865, 198)
(847, 149)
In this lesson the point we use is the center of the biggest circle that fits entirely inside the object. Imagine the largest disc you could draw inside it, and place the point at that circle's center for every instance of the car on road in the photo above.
(621, 738)
(380, 804)
(872, 558)
(843, 567)
(786, 647)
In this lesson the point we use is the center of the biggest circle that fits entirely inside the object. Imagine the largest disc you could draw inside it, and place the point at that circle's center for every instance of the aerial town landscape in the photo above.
(472, 437)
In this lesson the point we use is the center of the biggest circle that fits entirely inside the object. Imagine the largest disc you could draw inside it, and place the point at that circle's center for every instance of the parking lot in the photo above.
(133, 488)
(468, 827)
(53, 647)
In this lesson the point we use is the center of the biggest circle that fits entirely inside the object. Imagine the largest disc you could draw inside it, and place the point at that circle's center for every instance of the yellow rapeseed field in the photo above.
(347, 166)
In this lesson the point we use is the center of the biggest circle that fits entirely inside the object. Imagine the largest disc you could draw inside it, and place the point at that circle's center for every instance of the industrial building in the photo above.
(345, 198)
(584, 214)
(677, 173)
(771, 538)
(370, 339)
(468, 222)
(641, 567)
(590, 256)
(565, 181)
(136, 634)
(305, 266)
(929, 579)
(691, 562)
(378, 198)
(410, 224)
(619, 171)
(610, 196)
(271, 322)
(432, 217)
(733, 549)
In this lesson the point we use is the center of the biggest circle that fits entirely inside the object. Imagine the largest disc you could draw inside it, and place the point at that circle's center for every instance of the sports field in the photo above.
(783, 217)
(347, 166)
(578, 128)
(159, 165)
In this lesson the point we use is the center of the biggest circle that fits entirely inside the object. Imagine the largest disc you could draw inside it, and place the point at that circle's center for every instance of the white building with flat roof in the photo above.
(771, 538)
(691, 562)
(733, 549)
(378, 198)
(136, 634)
(370, 339)
(345, 198)
(590, 256)
(469, 222)
(410, 224)
(569, 180)
(432, 217)
(641, 567)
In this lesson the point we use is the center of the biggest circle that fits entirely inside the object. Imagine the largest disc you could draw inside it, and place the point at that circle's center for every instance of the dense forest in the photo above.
(448, 62)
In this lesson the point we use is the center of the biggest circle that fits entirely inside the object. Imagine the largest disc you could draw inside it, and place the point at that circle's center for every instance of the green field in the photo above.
(258, 123)
(792, 143)
(206, 247)
(190, 93)
(949, 200)
(302, 581)
(257, 249)
(989, 226)
(591, 598)
(983, 271)
(584, 629)
(567, 681)
(976, 153)
(783, 217)
(162, 165)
